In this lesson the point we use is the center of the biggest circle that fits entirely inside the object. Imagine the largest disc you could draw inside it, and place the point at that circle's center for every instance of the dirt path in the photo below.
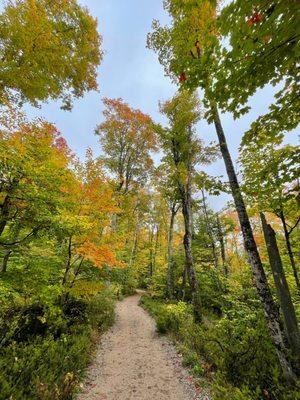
(134, 363)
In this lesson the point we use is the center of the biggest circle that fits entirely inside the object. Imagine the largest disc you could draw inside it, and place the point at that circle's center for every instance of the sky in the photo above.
(132, 72)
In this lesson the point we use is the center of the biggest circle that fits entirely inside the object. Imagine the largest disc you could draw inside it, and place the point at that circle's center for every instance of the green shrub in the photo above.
(233, 350)
(169, 317)
(227, 392)
(37, 370)
(42, 358)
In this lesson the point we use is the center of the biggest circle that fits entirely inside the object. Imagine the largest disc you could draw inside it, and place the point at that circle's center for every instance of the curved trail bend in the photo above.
(134, 363)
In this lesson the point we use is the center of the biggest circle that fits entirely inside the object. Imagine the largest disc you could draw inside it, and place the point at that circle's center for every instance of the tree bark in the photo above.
(283, 292)
(184, 282)
(222, 245)
(186, 200)
(6, 257)
(209, 231)
(6, 205)
(68, 263)
(155, 248)
(4, 215)
(170, 274)
(151, 252)
(270, 309)
(135, 243)
(289, 249)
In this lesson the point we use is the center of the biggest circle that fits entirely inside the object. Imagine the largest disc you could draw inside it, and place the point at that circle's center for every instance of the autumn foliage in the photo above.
(78, 233)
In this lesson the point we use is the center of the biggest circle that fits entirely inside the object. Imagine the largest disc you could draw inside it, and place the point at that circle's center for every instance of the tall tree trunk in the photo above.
(270, 309)
(68, 262)
(283, 292)
(289, 249)
(4, 214)
(151, 252)
(189, 261)
(209, 230)
(184, 282)
(6, 205)
(170, 273)
(222, 245)
(6, 257)
(78, 269)
(135, 242)
(186, 199)
(155, 249)
(236, 248)
(72, 283)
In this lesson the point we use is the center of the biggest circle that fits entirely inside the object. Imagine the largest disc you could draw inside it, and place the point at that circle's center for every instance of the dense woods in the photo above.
(78, 234)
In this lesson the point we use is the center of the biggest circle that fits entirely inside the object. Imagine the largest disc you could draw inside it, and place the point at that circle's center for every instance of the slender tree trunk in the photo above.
(289, 249)
(170, 274)
(72, 283)
(133, 250)
(222, 245)
(283, 292)
(209, 231)
(186, 199)
(6, 257)
(78, 269)
(184, 283)
(68, 263)
(270, 309)
(6, 205)
(135, 243)
(155, 249)
(4, 214)
(236, 248)
(151, 253)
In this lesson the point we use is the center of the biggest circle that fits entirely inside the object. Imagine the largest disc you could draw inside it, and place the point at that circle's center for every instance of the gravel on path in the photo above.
(134, 363)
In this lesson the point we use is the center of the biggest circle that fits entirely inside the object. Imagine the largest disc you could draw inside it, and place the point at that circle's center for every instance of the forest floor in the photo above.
(134, 363)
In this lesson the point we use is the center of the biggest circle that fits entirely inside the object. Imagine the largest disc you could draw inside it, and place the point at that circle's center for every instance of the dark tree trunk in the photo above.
(135, 243)
(283, 292)
(222, 245)
(5, 207)
(184, 283)
(78, 269)
(270, 309)
(289, 249)
(72, 283)
(155, 248)
(151, 252)
(170, 274)
(186, 200)
(68, 262)
(6, 257)
(4, 214)
(209, 231)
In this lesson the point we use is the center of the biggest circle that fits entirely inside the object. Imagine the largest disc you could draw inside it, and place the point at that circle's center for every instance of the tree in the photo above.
(83, 223)
(287, 307)
(33, 163)
(184, 151)
(169, 189)
(257, 56)
(194, 27)
(180, 144)
(127, 137)
(49, 49)
(269, 175)
(214, 228)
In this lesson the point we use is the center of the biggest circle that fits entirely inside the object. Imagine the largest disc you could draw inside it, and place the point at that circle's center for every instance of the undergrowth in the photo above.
(232, 352)
(45, 346)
